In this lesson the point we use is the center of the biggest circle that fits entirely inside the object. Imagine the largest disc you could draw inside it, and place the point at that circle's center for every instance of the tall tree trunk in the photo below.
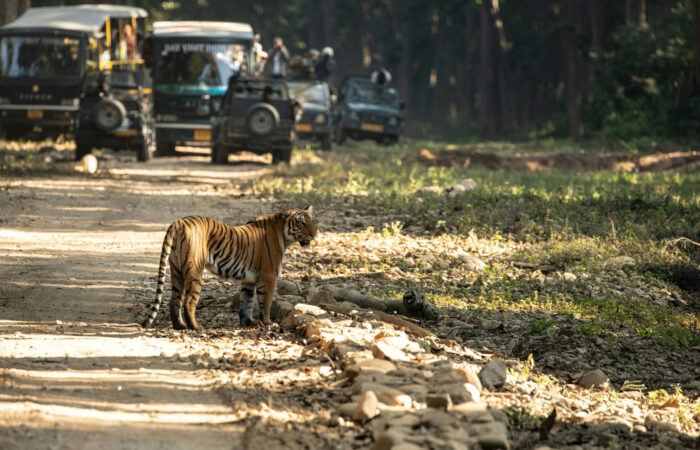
(573, 68)
(326, 20)
(311, 24)
(635, 11)
(465, 76)
(9, 11)
(364, 34)
(695, 7)
(495, 100)
(400, 30)
(488, 119)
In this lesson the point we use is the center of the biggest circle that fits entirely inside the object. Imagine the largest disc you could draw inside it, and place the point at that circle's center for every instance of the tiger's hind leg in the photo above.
(176, 298)
(193, 287)
(245, 311)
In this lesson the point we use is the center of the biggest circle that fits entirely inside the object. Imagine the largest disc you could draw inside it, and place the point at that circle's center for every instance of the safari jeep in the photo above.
(258, 116)
(316, 121)
(192, 62)
(115, 112)
(368, 110)
(49, 54)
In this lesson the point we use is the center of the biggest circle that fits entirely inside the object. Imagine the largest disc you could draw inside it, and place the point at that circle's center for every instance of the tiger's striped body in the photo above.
(251, 253)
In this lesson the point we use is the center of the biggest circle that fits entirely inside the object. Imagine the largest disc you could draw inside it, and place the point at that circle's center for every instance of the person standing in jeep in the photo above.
(278, 58)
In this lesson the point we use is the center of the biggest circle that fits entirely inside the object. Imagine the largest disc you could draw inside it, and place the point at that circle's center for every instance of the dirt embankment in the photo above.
(675, 161)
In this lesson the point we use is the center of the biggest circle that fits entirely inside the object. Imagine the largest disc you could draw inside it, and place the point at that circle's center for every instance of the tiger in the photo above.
(251, 253)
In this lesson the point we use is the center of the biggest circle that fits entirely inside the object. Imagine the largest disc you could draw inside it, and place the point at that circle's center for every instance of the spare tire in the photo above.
(109, 114)
(262, 119)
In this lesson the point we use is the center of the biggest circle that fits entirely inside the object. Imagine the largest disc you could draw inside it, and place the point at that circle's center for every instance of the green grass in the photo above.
(526, 206)
(576, 221)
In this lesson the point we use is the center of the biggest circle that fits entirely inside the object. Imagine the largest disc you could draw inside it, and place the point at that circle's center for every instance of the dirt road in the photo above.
(78, 258)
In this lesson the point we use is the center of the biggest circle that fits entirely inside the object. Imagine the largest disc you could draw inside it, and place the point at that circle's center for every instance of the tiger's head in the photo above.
(299, 226)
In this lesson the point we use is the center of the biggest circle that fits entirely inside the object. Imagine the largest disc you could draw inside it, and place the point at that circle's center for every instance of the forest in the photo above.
(614, 71)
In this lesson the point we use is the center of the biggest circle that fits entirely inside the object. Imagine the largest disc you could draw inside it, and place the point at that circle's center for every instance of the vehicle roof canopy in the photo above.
(203, 29)
(81, 18)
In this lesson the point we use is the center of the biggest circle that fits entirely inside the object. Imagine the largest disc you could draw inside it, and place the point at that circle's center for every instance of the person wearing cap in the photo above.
(325, 65)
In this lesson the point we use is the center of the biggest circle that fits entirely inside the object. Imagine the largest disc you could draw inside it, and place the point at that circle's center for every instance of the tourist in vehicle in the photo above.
(279, 59)
(129, 42)
(259, 53)
(325, 65)
(381, 76)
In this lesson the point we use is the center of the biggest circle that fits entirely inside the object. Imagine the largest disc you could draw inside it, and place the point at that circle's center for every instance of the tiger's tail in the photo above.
(164, 255)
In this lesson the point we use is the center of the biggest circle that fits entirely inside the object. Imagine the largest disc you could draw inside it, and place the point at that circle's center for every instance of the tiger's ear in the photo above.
(309, 210)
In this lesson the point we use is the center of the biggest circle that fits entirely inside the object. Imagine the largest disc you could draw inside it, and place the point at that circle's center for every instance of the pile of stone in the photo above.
(399, 386)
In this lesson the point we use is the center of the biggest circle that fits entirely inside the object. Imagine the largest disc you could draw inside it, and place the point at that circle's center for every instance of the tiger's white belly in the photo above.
(244, 274)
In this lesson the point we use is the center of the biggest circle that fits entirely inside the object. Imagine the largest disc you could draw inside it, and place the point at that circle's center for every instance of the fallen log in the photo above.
(398, 321)
(413, 303)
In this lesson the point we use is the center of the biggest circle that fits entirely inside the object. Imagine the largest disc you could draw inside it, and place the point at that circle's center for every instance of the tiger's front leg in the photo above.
(245, 310)
(268, 288)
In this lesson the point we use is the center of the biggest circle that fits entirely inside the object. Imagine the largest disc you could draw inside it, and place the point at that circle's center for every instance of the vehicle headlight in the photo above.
(393, 121)
(354, 116)
(70, 101)
(4, 101)
(320, 118)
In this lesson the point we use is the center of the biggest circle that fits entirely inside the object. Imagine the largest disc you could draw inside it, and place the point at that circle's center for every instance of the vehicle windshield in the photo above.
(39, 56)
(198, 67)
(377, 94)
(305, 92)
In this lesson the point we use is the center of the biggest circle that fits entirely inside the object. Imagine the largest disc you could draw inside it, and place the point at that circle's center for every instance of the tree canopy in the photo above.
(539, 68)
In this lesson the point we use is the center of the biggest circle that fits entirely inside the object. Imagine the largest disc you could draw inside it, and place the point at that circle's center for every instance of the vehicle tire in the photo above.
(16, 133)
(340, 139)
(282, 155)
(327, 142)
(165, 148)
(109, 114)
(219, 154)
(143, 152)
(261, 119)
(82, 148)
(293, 139)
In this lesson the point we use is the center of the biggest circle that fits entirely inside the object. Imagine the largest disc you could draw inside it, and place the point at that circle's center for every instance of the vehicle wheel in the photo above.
(262, 119)
(282, 155)
(389, 140)
(143, 152)
(165, 148)
(294, 139)
(327, 142)
(82, 148)
(219, 154)
(340, 139)
(16, 133)
(109, 114)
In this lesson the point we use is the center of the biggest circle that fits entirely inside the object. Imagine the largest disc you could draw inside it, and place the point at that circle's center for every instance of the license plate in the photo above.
(202, 135)
(35, 113)
(125, 133)
(304, 127)
(372, 127)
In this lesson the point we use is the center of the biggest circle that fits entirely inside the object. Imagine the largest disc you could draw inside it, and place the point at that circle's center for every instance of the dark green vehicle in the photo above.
(368, 110)
(316, 121)
(192, 63)
(258, 116)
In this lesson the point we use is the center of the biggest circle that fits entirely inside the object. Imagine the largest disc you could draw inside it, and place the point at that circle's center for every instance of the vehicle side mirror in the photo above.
(402, 105)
